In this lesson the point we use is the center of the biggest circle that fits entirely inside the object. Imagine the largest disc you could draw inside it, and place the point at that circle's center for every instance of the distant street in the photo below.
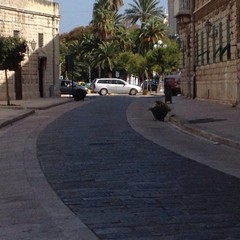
(124, 186)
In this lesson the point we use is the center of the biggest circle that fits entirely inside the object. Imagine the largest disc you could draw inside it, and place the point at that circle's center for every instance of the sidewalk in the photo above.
(20, 109)
(217, 122)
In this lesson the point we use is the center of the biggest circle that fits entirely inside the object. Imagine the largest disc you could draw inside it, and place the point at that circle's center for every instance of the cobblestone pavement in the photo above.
(123, 186)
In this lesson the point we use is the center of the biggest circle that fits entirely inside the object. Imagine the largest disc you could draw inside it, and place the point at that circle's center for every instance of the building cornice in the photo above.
(19, 10)
(209, 7)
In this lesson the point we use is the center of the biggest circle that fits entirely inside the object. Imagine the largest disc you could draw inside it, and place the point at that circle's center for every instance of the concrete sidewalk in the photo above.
(20, 109)
(217, 122)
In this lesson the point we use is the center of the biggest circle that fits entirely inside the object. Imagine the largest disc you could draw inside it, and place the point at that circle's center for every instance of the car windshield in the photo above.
(72, 83)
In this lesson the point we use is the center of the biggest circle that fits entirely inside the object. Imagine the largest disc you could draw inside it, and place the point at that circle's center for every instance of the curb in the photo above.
(183, 125)
(30, 111)
(17, 118)
(49, 106)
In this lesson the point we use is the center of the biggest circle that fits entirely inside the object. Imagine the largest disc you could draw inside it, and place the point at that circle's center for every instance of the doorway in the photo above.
(18, 84)
(41, 71)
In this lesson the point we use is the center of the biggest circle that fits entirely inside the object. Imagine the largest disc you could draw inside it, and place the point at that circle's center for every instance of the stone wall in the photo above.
(215, 54)
(35, 21)
(216, 73)
(41, 6)
(217, 82)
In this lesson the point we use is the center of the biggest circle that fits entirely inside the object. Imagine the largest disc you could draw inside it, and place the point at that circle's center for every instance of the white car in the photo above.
(104, 86)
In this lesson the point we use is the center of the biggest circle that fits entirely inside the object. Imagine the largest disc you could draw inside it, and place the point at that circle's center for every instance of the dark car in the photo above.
(150, 84)
(72, 88)
(173, 82)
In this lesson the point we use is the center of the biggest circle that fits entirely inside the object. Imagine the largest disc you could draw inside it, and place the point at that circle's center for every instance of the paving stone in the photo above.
(123, 186)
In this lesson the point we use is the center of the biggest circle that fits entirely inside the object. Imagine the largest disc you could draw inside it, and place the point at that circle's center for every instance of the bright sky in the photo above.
(75, 13)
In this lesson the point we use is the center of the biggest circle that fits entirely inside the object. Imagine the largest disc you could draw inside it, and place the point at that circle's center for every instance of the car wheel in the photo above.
(103, 91)
(133, 91)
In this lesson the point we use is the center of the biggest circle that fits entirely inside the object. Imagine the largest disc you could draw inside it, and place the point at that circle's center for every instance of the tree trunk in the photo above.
(110, 74)
(7, 88)
(99, 72)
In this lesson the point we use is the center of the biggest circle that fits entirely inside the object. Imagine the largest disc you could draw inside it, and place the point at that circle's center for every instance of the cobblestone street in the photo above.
(125, 187)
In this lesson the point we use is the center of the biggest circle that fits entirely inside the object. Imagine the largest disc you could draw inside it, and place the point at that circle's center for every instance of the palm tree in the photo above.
(104, 56)
(143, 10)
(115, 4)
(105, 18)
(110, 4)
(88, 44)
(123, 37)
(153, 32)
(103, 23)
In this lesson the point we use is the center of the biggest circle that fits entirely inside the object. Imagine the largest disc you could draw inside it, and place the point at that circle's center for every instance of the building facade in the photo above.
(209, 33)
(37, 22)
(171, 18)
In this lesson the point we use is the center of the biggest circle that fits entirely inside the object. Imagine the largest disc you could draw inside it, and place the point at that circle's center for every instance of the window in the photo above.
(119, 82)
(64, 83)
(16, 33)
(103, 81)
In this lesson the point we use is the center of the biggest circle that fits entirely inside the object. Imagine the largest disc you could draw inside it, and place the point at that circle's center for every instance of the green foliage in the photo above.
(104, 55)
(171, 58)
(163, 59)
(76, 33)
(150, 34)
(143, 11)
(105, 18)
(12, 52)
(111, 44)
(134, 64)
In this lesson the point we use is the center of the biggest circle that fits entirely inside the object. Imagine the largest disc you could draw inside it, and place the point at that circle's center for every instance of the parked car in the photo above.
(173, 82)
(88, 85)
(150, 84)
(82, 84)
(104, 86)
(72, 88)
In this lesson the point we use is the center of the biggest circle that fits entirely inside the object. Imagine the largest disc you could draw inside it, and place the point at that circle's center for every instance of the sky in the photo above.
(75, 13)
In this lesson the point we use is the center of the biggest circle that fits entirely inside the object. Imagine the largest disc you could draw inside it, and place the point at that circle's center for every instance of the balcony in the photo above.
(182, 8)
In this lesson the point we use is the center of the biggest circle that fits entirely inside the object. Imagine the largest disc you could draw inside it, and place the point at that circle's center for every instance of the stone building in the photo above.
(209, 33)
(36, 21)
(171, 18)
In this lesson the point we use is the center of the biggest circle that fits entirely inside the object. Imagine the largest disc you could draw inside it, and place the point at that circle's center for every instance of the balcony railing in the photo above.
(182, 8)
